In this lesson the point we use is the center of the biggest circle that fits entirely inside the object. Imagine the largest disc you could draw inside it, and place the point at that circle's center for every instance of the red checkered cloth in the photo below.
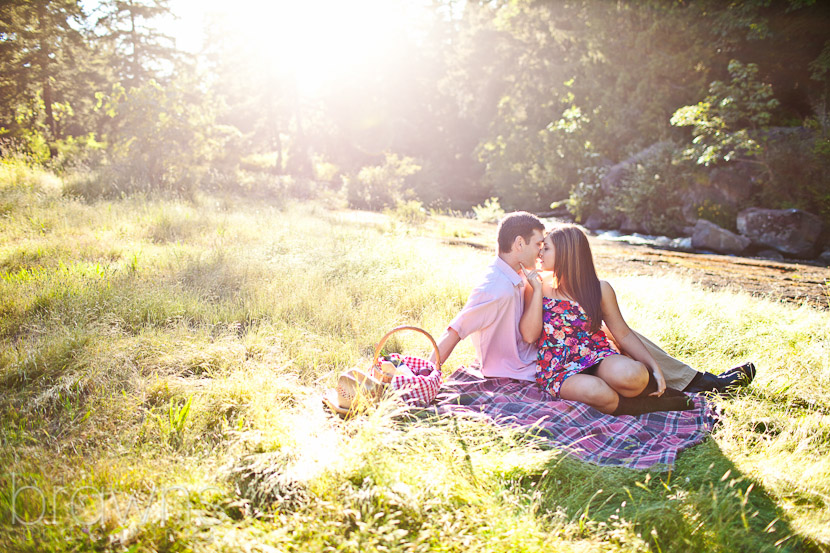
(420, 390)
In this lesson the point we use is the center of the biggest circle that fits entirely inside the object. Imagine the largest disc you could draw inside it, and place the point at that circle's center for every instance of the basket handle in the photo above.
(399, 328)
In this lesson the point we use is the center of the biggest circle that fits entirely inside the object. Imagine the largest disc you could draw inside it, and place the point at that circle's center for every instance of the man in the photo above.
(491, 319)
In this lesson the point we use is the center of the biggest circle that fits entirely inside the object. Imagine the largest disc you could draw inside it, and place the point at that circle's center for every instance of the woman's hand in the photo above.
(661, 381)
(533, 278)
(530, 325)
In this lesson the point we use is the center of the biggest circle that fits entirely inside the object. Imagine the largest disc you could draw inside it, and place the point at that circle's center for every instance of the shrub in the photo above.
(159, 139)
(586, 196)
(380, 186)
(722, 215)
(79, 151)
(652, 193)
(22, 173)
(723, 123)
(325, 171)
(411, 212)
(490, 212)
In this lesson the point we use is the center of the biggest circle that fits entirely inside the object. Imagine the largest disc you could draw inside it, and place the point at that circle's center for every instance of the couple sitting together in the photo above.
(563, 329)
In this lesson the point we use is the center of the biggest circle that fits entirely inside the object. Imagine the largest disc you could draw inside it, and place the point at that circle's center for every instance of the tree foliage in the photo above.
(727, 122)
(136, 50)
(528, 101)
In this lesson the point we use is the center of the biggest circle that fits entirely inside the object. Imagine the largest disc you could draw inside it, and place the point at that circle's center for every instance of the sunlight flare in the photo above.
(315, 40)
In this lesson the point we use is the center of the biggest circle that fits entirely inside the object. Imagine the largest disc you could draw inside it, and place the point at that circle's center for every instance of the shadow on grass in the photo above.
(703, 504)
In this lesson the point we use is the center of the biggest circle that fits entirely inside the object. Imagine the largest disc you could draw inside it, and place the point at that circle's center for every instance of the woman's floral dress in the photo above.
(567, 346)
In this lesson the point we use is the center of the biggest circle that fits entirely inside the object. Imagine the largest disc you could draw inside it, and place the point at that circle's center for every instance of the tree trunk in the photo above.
(303, 165)
(46, 79)
(135, 44)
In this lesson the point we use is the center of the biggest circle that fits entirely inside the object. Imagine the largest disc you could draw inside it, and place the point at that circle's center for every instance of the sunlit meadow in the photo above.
(162, 362)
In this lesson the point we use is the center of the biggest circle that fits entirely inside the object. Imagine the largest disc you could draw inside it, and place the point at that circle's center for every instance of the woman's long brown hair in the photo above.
(573, 267)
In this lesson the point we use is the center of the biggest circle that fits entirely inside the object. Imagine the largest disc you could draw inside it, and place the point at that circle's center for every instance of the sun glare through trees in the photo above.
(317, 42)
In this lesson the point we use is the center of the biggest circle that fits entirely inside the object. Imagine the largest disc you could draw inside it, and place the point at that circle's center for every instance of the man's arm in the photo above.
(446, 343)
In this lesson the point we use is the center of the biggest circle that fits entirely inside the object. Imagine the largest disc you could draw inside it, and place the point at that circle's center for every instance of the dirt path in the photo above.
(783, 281)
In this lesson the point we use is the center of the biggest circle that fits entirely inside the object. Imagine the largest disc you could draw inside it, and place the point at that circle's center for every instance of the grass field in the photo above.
(161, 363)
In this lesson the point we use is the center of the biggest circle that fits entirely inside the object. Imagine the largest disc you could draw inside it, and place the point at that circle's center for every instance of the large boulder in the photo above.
(728, 185)
(616, 173)
(709, 236)
(593, 222)
(790, 231)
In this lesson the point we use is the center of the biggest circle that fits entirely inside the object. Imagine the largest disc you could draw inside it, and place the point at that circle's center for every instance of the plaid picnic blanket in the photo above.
(637, 442)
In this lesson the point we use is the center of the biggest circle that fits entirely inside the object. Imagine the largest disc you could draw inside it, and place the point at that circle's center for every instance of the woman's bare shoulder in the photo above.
(606, 289)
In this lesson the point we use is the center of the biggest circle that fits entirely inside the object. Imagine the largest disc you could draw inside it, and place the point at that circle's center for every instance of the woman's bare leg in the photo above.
(590, 390)
(624, 375)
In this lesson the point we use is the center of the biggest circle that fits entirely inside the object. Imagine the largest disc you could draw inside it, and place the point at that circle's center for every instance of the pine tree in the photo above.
(42, 44)
(139, 52)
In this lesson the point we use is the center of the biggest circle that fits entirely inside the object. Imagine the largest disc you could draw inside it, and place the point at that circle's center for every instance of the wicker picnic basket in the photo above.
(416, 386)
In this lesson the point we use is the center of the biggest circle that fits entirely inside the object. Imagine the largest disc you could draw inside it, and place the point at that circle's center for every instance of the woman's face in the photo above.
(547, 255)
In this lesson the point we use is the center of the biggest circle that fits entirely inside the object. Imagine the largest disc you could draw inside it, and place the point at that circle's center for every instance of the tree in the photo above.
(159, 137)
(139, 52)
(40, 59)
(254, 94)
(728, 124)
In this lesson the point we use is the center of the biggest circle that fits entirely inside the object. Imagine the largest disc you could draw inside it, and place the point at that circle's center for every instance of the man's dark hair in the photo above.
(518, 223)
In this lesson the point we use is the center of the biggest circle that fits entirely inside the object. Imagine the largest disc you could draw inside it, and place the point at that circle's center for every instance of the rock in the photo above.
(770, 254)
(558, 210)
(682, 243)
(628, 226)
(733, 183)
(825, 257)
(709, 236)
(790, 231)
(719, 190)
(593, 222)
(616, 173)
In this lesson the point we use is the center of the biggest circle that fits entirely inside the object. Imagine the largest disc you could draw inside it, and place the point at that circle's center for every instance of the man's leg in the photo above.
(677, 373)
(681, 376)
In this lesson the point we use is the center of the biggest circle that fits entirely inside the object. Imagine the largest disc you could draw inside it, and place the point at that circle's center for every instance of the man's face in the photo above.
(532, 249)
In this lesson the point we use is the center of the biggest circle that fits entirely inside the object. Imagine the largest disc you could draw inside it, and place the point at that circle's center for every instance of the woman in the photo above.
(564, 313)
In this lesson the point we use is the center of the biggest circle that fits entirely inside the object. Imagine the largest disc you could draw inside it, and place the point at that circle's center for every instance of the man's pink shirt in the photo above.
(491, 318)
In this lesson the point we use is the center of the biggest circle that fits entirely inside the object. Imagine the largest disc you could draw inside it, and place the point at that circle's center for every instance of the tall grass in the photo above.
(161, 363)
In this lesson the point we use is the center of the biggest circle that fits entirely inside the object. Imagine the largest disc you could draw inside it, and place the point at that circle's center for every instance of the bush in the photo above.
(586, 196)
(490, 212)
(650, 194)
(325, 171)
(159, 139)
(411, 212)
(722, 215)
(22, 173)
(380, 186)
(79, 151)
